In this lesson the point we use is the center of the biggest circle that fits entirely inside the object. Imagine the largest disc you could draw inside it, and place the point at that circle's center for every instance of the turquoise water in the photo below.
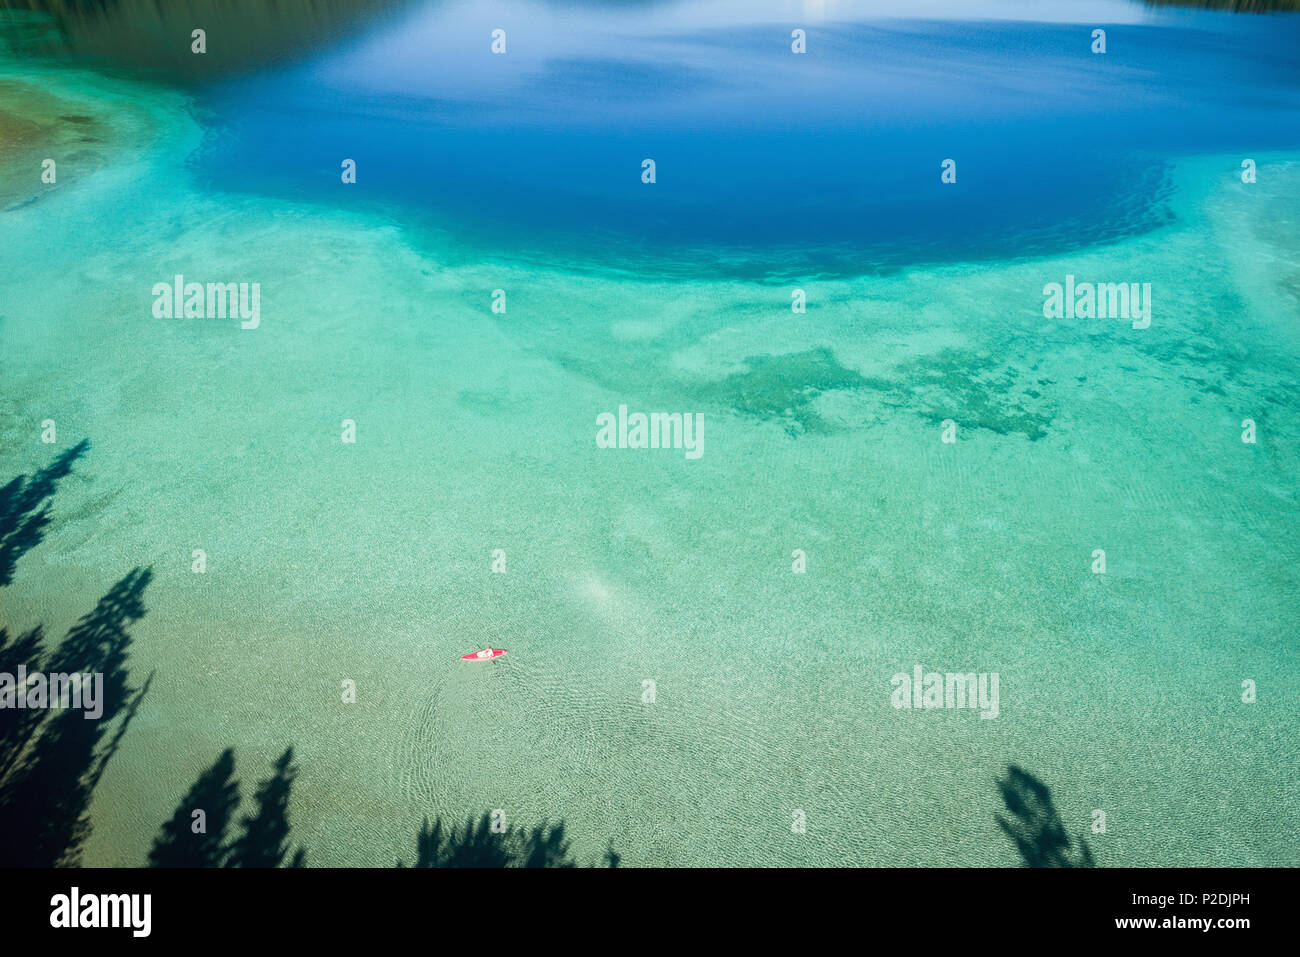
(372, 561)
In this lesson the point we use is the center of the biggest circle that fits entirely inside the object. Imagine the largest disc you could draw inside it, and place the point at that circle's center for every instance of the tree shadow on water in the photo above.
(24, 515)
(1035, 826)
(52, 752)
(25, 511)
(478, 845)
(199, 833)
(54, 757)
(266, 833)
(195, 836)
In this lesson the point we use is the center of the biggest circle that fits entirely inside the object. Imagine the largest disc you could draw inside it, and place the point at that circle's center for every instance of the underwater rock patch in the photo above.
(957, 384)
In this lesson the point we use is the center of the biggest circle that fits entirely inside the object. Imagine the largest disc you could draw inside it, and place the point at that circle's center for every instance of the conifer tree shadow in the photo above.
(18, 725)
(51, 758)
(24, 509)
(477, 845)
(1035, 826)
(24, 515)
(216, 795)
(55, 757)
(182, 842)
(265, 839)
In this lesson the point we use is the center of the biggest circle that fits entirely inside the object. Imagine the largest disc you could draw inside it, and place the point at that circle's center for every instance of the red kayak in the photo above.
(487, 654)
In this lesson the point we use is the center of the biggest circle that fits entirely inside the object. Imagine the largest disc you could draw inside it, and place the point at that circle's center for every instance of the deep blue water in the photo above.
(766, 161)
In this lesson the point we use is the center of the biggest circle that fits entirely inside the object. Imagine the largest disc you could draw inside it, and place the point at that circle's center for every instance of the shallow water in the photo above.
(822, 431)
